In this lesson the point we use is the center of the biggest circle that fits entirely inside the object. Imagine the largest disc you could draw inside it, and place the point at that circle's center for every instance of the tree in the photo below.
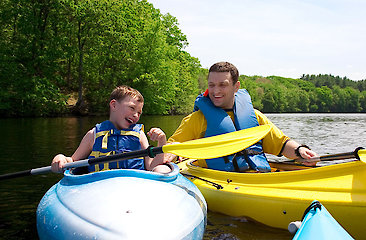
(324, 99)
(363, 101)
(30, 51)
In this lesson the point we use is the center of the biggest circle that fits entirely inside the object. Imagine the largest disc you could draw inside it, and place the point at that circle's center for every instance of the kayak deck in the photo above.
(122, 204)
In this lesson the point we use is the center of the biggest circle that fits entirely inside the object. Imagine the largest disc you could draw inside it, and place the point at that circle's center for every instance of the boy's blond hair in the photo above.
(120, 92)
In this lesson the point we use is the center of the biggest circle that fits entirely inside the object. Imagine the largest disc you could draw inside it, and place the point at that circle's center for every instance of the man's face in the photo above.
(221, 89)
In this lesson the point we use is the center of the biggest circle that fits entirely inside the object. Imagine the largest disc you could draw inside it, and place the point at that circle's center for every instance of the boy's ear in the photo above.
(112, 104)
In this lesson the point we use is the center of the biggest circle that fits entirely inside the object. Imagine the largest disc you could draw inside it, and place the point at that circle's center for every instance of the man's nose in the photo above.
(216, 90)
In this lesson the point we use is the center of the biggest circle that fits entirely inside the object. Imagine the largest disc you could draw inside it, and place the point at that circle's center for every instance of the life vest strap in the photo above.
(97, 154)
(108, 133)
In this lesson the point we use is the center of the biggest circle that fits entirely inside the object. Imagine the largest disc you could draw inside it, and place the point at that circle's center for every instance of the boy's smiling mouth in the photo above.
(130, 121)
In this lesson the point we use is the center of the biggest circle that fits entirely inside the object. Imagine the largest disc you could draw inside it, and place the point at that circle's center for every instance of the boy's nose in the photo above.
(135, 114)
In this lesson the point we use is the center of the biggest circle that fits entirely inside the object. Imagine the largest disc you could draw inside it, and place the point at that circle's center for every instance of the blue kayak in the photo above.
(318, 223)
(122, 204)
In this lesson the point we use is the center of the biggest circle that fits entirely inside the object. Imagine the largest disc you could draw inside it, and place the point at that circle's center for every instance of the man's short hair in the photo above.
(226, 67)
(120, 92)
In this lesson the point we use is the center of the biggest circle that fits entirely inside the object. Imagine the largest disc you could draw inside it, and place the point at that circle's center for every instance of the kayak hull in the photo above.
(122, 204)
(277, 198)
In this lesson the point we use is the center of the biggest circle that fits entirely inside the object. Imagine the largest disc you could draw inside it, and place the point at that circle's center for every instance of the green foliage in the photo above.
(363, 101)
(330, 81)
(51, 48)
(29, 56)
(278, 94)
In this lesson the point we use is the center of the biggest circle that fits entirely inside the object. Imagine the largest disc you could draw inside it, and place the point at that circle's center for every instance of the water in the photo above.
(31, 143)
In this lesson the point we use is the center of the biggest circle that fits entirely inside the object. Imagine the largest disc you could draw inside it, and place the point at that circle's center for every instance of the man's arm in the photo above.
(275, 140)
(290, 147)
(277, 143)
(192, 127)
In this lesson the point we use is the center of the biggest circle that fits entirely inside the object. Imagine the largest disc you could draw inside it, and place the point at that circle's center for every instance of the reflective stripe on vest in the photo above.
(219, 122)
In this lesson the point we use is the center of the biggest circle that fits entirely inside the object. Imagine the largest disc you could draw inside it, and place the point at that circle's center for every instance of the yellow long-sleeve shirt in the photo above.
(194, 126)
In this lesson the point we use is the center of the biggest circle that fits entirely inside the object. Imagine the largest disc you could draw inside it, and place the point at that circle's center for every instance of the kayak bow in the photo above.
(318, 223)
(122, 204)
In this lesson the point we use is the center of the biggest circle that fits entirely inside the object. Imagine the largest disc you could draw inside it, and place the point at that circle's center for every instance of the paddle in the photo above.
(211, 147)
(359, 153)
(362, 155)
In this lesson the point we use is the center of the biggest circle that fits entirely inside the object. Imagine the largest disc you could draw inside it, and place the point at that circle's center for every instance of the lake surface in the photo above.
(32, 142)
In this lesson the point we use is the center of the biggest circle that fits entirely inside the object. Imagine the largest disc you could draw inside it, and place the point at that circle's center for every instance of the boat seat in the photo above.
(80, 170)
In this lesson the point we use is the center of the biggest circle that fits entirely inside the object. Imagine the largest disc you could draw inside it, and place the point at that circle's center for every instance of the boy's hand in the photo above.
(58, 163)
(170, 157)
(156, 134)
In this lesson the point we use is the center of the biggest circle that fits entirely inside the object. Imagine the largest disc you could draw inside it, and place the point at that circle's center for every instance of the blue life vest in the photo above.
(219, 122)
(109, 140)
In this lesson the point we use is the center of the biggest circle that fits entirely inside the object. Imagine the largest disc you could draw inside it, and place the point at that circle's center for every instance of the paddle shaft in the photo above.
(203, 148)
(332, 157)
(151, 152)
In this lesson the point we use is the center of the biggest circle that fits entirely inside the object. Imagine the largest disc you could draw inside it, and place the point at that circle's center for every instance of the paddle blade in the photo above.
(220, 145)
(362, 155)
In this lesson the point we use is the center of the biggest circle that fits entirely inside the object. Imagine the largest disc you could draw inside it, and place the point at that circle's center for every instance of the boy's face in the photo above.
(126, 112)
(221, 89)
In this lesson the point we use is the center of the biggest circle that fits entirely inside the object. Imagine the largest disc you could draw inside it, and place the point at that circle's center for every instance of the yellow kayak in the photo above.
(278, 198)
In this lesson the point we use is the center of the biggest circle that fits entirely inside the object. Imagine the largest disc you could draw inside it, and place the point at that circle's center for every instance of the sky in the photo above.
(285, 38)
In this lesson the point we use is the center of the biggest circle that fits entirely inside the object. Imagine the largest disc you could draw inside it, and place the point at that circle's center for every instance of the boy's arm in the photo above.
(82, 152)
(145, 144)
(85, 146)
(155, 134)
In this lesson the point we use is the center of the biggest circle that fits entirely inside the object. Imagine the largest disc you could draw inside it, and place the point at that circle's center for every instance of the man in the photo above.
(224, 107)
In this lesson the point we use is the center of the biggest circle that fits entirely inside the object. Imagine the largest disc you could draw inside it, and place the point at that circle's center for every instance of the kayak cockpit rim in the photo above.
(165, 177)
(275, 166)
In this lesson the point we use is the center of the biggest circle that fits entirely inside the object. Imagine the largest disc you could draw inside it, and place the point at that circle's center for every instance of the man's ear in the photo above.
(237, 86)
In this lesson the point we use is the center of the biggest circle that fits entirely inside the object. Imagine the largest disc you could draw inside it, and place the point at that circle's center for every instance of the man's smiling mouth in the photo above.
(218, 97)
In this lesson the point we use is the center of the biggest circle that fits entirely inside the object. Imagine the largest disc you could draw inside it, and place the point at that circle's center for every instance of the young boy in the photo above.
(120, 133)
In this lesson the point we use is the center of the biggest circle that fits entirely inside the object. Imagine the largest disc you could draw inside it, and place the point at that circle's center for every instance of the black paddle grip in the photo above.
(16, 174)
(150, 151)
